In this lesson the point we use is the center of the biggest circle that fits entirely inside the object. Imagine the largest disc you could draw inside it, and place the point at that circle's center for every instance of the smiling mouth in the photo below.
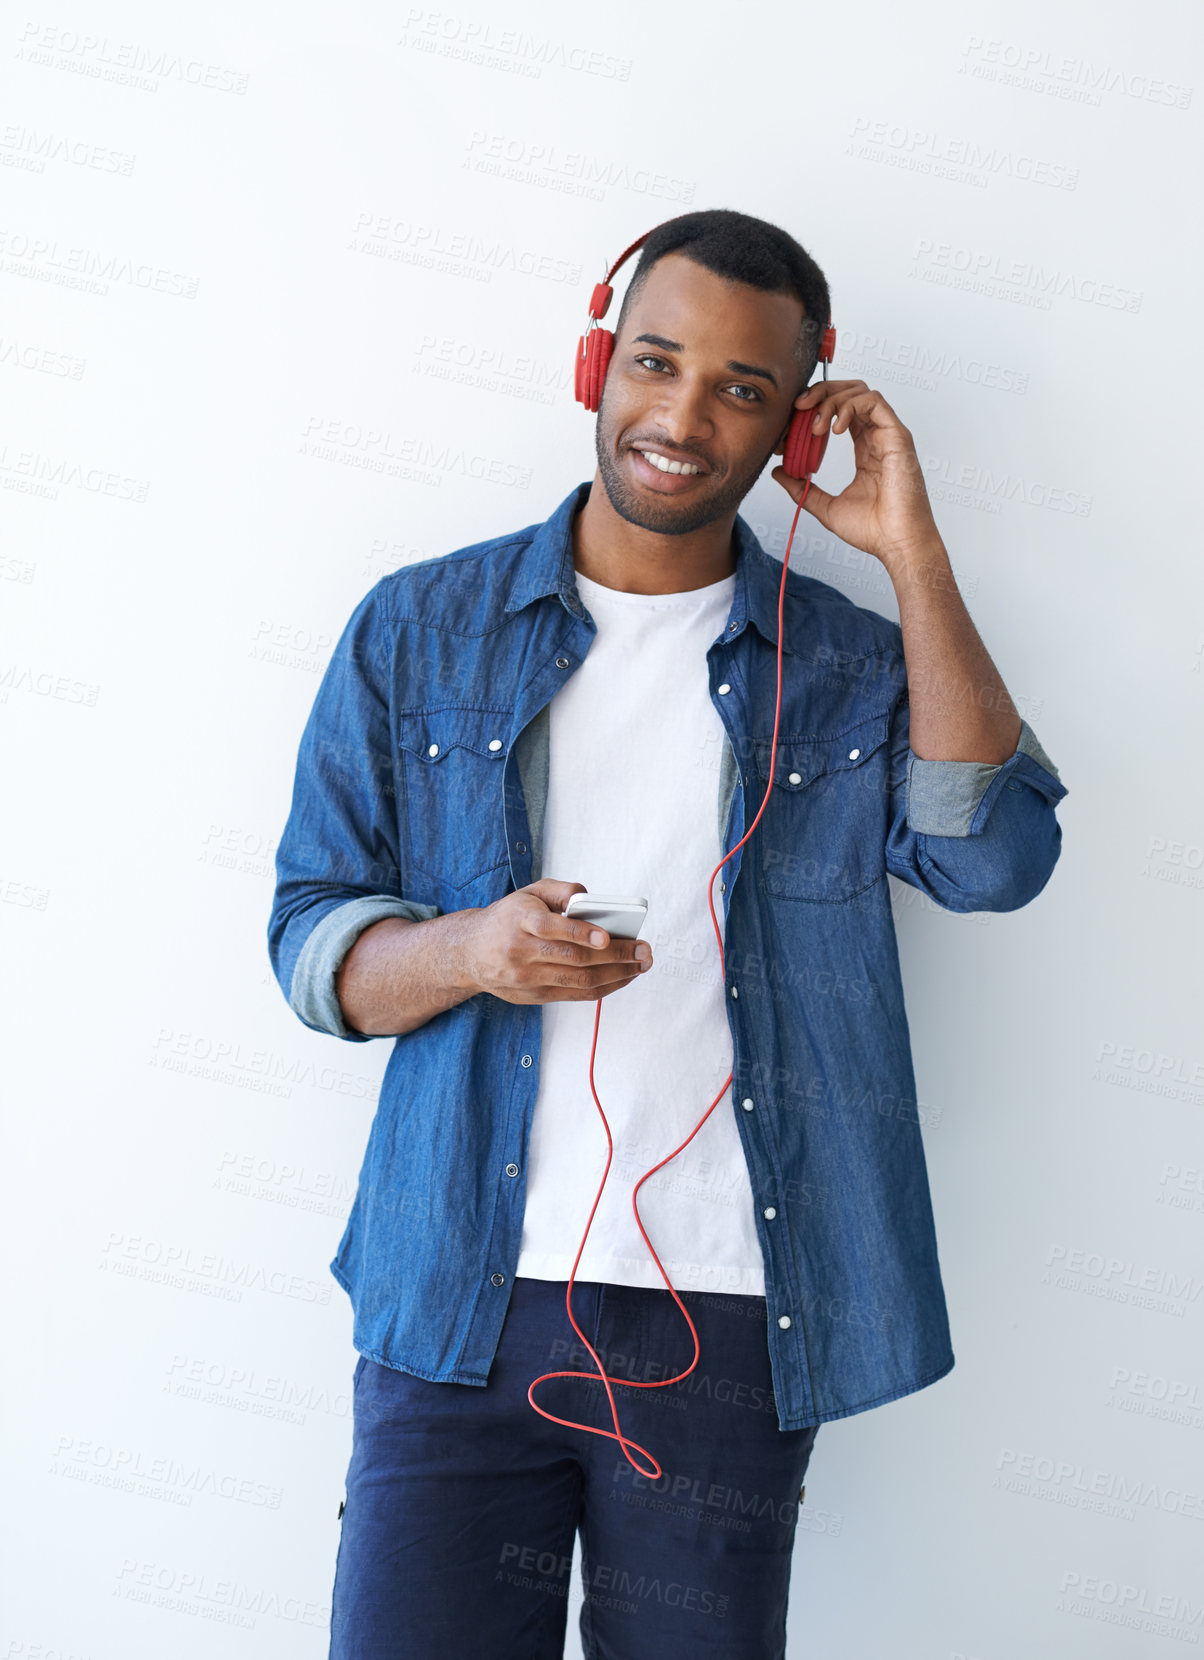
(663, 463)
(663, 472)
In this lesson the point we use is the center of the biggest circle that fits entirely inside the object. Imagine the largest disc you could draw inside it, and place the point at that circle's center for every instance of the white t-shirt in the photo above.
(632, 808)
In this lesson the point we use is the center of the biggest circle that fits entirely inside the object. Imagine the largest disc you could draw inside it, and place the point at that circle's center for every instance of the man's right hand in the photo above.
(523, 949)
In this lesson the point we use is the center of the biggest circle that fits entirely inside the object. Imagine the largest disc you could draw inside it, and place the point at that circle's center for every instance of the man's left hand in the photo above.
(885, 509)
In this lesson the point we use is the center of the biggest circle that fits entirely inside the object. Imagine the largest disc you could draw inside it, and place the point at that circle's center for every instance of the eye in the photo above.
(753, 395)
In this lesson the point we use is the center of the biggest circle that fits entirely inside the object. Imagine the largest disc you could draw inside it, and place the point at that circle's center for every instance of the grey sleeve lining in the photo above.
(943, 796)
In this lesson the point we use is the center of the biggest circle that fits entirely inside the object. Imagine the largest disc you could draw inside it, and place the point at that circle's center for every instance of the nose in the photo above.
(682, 411)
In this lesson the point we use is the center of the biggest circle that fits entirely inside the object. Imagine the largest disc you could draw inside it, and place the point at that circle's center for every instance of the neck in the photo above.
(609, 550)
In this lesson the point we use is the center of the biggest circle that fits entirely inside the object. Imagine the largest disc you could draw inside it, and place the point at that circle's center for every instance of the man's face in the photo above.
(703, 372)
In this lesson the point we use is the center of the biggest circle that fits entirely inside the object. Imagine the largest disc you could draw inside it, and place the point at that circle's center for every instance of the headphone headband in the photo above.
(603, 293)
(599, 300)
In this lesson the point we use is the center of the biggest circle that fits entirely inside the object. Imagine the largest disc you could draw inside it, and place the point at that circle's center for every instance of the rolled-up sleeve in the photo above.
(312, 995)
(338, 865)
(973, 836)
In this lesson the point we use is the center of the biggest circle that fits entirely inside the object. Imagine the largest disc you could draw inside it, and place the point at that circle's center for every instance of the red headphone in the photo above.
(804, 449)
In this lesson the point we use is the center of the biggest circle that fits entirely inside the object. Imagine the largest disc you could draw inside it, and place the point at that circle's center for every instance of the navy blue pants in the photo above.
(463, 1504)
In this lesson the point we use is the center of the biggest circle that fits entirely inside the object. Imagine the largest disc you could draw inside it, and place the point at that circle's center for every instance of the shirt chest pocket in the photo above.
(823, 832)
(453, 763)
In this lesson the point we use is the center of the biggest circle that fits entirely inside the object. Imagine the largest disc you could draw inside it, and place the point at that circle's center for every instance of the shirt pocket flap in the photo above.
(800, 761)
(435, 734)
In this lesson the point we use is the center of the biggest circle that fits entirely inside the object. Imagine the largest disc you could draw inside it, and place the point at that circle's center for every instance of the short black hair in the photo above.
(743, 249)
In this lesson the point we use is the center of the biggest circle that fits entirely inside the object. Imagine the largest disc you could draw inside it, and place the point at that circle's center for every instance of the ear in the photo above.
(780, 447)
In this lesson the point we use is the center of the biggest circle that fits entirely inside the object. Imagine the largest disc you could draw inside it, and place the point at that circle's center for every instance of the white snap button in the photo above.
(724, 689)
(769, 1213)
(433, 750)
(735, 993)
(526, 1060)
(784, 1322)
(747, 1103)
(796, 777)
(853, 754)
(495, 743)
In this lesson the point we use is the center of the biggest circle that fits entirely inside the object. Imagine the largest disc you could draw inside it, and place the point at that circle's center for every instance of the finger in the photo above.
(553, 925)
(864, 407)
(829, 409)
(588, 981)
(567, 994)
(821, 388)
(603, 988)
(817, 501)
(552, 948)
(606, 991)
(792, 486)
(554, 894)
(581, 941)
(616, 974)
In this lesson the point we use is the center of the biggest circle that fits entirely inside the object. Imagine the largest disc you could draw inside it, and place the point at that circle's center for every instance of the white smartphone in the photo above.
(622, 915)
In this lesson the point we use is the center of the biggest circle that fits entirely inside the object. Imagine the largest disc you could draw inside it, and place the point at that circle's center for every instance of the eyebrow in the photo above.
(737, 368)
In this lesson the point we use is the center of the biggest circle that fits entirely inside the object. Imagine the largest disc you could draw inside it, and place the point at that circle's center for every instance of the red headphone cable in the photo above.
(616, 1434)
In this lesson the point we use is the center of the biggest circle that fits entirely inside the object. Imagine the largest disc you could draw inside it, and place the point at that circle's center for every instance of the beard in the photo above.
(716, 497)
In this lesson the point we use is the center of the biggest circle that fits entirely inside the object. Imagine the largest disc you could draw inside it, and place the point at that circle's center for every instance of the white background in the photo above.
(232, 233)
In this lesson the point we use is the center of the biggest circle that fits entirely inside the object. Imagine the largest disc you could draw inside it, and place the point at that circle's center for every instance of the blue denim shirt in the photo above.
(419, 790)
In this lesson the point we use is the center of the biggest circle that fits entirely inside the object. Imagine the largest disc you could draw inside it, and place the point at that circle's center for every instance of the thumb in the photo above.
(818, 503)
(555, 895)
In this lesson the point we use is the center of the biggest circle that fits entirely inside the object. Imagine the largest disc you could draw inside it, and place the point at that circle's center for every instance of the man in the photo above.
(588, 704)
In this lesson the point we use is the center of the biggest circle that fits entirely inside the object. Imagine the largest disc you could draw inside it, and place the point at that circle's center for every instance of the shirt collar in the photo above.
(546, 567)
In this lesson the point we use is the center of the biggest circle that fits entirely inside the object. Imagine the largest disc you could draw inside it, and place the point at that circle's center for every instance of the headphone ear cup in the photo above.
(603, 346)
(804, 449)
(589, 371)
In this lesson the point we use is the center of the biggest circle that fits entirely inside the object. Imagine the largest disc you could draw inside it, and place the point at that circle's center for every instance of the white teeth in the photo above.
(667, 466)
